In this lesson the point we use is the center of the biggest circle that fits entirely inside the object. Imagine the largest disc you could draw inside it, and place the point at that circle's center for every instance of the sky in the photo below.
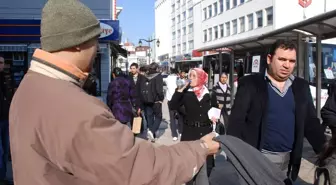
(136, 19)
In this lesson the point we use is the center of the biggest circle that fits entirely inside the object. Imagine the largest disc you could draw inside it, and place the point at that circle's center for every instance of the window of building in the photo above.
(221, 6)
(234, 3)
(184, 30)
(173, 8)
(178, 3)
(221, 28)
(216, 32)
(210, 11)
(178, 19)
(205, 36)
(205, 14)
(191, 28)
(250, 22)
(174, 49)
(242, 1)
(215, 7)
(227, 4)
(179, 48)
(234, 26)
(174, 35)
(190, 12)
(210, 34)
(178, 33)
(184, 16)
(269, 12)
(227, 29)
(173, 21)
(184, 46)
(183, 2)
(259, 19)
(242, 24)
(191, 44)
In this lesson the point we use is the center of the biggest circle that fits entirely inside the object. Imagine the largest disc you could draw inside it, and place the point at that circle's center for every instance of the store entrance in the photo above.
(16, 66)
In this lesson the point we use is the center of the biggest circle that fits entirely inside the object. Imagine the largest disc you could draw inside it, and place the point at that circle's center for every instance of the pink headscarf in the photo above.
(202, 79)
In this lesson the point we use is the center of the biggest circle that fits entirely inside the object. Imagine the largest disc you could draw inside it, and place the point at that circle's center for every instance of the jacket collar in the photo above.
(52, 66)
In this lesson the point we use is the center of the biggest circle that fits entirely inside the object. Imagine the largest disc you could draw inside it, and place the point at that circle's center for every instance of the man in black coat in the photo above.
(274, 111)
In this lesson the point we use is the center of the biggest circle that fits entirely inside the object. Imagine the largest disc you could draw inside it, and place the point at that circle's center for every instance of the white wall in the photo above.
(240, 10)
(282, 7)
(198, 32)
(163, 27)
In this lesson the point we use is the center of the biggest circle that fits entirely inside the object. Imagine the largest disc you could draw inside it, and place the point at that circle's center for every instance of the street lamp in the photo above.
(149, 41)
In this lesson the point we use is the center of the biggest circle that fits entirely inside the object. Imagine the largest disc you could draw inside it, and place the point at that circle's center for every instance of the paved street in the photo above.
(307, 168)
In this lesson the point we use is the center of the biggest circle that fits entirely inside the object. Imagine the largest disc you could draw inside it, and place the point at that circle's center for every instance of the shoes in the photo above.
(150, 136)
(174, 138)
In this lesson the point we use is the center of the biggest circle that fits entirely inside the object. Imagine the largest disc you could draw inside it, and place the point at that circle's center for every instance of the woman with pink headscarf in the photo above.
(195, 97)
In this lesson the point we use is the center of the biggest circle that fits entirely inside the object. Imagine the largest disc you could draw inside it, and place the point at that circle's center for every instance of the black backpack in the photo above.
(147, 91)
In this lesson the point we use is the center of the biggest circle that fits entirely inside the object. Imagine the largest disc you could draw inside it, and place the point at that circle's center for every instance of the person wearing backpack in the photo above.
(152, 96)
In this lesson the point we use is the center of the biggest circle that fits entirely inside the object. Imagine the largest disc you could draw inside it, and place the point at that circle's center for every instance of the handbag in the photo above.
(136, 126)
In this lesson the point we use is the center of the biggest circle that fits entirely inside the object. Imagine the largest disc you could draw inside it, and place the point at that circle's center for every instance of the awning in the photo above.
(117, 49)
(194, 59)
(321, 25)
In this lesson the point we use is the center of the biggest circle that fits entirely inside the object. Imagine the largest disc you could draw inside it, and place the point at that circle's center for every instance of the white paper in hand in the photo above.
(214, 113)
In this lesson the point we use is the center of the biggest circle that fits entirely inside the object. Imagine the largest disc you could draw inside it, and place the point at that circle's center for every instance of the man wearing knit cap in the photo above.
(60, 135)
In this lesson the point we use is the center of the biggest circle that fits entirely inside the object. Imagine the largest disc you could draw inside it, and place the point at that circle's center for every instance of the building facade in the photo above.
(177, 24)
(20, 36)
(227, 20)
(163, 29)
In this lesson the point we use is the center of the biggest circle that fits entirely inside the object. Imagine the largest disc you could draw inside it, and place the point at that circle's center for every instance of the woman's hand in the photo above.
(214, 120)
(182, 89)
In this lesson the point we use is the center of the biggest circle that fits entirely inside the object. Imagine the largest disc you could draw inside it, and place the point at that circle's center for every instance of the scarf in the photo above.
(202, 78)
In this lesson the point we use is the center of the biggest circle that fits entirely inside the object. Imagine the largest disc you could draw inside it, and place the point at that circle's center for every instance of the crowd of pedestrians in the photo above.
(61, 134)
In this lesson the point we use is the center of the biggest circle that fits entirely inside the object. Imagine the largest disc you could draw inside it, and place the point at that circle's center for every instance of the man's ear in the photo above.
(269, 59)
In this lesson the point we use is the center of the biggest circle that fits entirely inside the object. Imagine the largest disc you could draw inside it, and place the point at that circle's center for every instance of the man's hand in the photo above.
(139, 112)
(213, 146)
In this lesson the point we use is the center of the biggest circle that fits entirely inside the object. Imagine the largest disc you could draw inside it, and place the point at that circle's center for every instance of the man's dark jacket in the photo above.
(247, 120)
(6, 95)
(157, 86)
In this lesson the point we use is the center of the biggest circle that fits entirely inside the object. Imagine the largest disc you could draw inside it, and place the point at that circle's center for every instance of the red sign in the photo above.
(195, 53)
(305, 3)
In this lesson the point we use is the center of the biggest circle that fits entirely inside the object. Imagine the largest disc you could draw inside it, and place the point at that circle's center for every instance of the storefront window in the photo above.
(328, 64)
(96, 73)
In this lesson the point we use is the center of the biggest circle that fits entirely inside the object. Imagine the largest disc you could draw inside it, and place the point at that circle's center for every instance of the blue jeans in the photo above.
(4, 148)
(153, 116)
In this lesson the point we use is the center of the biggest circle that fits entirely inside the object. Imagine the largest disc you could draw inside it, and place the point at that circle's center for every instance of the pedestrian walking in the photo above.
(273, 111)
(176, 120)
(221, 98)
(195, 97)
(152, 97)
(122, 98)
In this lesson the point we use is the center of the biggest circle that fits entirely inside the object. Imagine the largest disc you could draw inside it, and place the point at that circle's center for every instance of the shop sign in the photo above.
(256, 64)
(305, 3)
(28, 30)
(186, 57)
(107, 30)
(196, 53)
